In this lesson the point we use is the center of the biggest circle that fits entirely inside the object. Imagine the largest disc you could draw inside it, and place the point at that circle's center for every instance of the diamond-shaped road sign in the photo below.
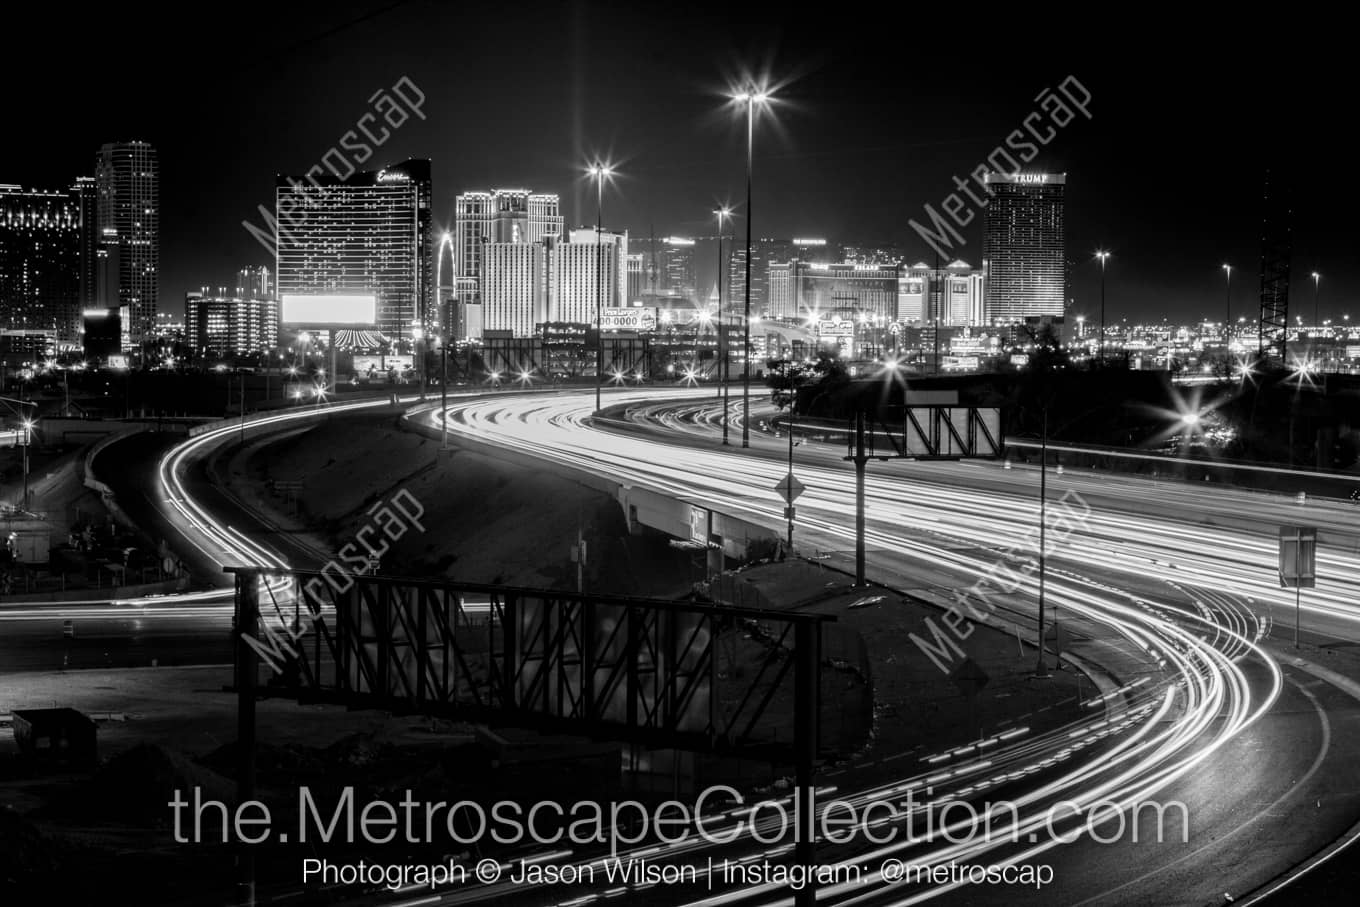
(790, 488)
(969, 677)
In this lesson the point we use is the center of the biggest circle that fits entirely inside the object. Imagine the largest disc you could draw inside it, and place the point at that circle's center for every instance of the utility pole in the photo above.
(746, 342)
(939, 304)
(1041, 670)
(1102, 255)
(793, 421)
(26, 423)
(26, 437)
(1227, 310)
(725, 363)
(861, 464)
(444, 393)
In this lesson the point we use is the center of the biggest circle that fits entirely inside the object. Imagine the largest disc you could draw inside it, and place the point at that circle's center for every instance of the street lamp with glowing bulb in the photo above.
(1227, 289)
(749, 98)
(1317, 278)
(599, 172)
(724, 214)
(1101, 256)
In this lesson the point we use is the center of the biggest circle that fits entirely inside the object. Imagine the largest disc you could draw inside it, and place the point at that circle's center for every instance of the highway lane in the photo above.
(164, 485)
(1214, 542)
(1147, 738)
(214, 524)
(1214, 536)
(127, 633)
(559, 431)
(153, 476)
(1212, 682)
(1202, 670)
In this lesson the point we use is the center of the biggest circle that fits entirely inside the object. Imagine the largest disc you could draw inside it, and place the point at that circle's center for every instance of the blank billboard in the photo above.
(348, 310)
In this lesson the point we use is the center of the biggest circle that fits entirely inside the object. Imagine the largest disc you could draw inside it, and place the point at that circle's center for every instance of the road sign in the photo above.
(790, 512)
(969, 677)
(790, 488)
(1298, 556)
(699, 523)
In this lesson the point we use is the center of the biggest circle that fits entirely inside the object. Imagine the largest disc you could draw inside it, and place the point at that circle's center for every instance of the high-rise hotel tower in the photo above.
(1023, 246)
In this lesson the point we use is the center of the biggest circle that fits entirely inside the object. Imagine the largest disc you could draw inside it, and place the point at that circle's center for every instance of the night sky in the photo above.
(877, 112)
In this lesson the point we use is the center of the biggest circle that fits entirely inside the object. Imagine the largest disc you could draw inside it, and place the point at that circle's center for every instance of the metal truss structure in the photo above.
(638, 670)
(943, 431)
(933, 432)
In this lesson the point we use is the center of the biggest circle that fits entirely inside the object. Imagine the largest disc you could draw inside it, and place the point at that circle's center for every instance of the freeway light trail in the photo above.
(1219, 538)
(1200, 700)
(221, 543)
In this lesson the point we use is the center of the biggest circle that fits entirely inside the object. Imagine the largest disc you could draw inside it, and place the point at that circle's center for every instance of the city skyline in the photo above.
(678, 149)
(591, 453)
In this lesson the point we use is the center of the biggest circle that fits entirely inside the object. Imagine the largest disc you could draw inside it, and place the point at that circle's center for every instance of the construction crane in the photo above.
(1276, 246)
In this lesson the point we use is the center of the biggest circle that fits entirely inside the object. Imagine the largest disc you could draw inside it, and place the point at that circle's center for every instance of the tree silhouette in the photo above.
(826, 369)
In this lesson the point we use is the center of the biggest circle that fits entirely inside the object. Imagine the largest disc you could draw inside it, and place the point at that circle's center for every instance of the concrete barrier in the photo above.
(114, 593)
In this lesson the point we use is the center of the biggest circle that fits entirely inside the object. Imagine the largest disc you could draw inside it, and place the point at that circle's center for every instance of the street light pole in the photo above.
(725, 364)
(599, 289)
(1227, 310)
(599, 172)
(28, 428)
(444, 391)
(1042, 669)
(793, 422)
(27, 424)
(746, 344)
(1102, 255)
(1316, 279)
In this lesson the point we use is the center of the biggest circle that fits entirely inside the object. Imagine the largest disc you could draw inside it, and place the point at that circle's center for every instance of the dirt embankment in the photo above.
(480, 519)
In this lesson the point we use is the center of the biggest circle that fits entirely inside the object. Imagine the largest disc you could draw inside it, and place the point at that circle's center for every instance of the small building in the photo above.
(56, 737)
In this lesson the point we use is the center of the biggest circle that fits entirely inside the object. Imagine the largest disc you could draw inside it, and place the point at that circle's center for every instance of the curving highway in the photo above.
(1172, 587)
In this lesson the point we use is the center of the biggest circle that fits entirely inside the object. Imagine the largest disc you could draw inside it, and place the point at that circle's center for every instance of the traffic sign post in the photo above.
(934, 427)
(789, 488)
(1298, 565)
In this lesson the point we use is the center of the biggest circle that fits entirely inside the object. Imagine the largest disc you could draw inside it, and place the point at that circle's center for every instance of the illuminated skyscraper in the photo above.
(217, 324)
(586, 275)
(40, 235)
(802, 290)
(636, 287)
(668, 267)
(86, 195)
(500, 216)
(127, 185)
(952, 295)
(1023, 246)
(514, 216)
(525, 284)
(369, 233)
(514, 286)
(765, 253)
